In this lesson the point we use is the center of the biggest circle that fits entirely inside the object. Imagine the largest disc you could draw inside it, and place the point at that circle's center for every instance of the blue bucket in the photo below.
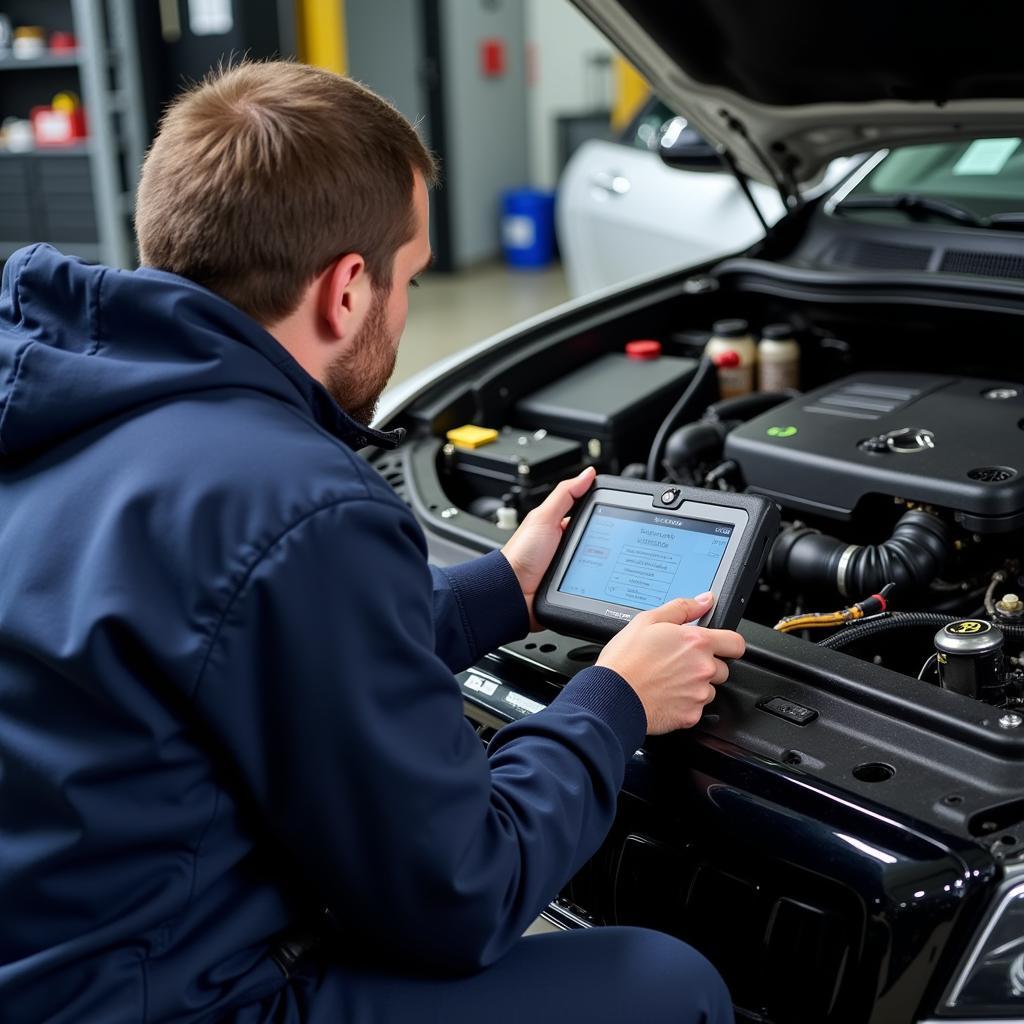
(528, 227)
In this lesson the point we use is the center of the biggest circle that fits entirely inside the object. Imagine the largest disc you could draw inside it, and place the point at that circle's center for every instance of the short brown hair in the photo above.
(265, 172)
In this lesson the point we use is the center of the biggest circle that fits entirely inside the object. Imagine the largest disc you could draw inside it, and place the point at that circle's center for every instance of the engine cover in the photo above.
(953, 442)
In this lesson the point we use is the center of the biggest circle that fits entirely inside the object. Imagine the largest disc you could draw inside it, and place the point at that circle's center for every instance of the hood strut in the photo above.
(744, 183)
(784, 183)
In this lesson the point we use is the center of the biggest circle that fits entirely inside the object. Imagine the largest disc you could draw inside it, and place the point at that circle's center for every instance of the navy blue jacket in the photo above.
(226, 692)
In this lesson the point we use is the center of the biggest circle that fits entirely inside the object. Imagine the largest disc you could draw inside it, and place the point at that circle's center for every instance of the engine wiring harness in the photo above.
(876, 604)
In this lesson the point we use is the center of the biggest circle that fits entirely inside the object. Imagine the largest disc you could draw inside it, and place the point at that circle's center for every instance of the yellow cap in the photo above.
(67, 102)
(471, 437)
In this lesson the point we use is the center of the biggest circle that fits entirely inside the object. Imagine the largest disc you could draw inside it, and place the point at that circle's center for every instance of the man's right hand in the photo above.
(673, 667)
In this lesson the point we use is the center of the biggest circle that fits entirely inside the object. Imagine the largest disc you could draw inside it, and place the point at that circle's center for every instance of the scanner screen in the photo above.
(643, 559)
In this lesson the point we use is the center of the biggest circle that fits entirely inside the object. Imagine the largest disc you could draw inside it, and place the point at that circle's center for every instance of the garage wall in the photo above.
(562, 41)
(387, 54)
(487, 120)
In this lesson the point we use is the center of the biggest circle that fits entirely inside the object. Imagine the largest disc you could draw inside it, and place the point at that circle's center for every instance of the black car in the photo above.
(843, 833)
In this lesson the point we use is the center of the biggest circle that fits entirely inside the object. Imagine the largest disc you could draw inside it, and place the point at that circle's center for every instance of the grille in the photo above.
(963, 261)
(881, 255)
(748, 923)
(390, 467)
(863, 401)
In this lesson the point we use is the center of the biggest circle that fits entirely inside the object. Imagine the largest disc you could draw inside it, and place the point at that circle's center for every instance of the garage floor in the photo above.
(450, 311)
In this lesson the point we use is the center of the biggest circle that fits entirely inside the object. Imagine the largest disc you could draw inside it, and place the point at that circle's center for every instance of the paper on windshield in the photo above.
(986, 156)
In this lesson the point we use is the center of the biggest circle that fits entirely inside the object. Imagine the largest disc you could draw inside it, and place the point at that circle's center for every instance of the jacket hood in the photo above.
(81, 344)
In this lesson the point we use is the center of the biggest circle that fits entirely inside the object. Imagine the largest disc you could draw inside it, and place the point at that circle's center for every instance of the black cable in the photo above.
(702, 441)
(703, 379)
(903, 620)
(965, 602)
(746, 407)
(990, 594)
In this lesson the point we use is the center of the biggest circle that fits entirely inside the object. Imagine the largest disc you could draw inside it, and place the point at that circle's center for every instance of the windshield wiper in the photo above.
(922, 207)
(916, 207)
(1007, 221)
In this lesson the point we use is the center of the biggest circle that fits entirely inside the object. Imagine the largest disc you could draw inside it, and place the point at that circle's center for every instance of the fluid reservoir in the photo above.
(778, 359)
(970, 657)
(731, 348)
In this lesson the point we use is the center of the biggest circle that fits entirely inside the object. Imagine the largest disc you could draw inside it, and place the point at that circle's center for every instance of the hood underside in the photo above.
(788, 87)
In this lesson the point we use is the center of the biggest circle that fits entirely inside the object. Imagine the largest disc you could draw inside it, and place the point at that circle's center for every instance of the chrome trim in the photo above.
(611, 182)
(563, 919)
(844, 563)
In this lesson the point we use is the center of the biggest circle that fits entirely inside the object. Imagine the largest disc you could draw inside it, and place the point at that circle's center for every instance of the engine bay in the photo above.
(901, 491)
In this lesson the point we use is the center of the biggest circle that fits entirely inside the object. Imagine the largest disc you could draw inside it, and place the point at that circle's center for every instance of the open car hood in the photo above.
(787, 87)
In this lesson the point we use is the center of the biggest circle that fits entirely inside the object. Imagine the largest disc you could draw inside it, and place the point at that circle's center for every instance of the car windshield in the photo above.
(983, 178)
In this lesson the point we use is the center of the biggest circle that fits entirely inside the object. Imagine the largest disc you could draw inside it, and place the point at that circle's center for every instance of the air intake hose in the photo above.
(911, 558)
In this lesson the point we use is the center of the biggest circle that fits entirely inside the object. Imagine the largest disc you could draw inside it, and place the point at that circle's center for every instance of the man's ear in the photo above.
(345, 296)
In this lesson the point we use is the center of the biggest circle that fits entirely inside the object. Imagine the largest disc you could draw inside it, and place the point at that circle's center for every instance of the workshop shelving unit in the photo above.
(78, 197)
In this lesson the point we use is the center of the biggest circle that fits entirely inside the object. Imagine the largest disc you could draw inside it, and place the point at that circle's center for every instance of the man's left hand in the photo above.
(530, 549)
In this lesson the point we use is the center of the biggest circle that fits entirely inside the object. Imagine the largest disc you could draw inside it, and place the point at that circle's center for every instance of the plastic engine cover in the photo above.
(957, 443)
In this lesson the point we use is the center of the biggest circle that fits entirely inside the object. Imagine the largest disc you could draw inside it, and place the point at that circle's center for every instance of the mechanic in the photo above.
(226, 690)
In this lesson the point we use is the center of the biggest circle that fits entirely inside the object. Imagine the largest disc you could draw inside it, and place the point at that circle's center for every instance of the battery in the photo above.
(616, 400)
(526, 459)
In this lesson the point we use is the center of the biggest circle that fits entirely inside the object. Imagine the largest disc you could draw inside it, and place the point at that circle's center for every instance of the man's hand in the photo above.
(673, 666)
(530, 549)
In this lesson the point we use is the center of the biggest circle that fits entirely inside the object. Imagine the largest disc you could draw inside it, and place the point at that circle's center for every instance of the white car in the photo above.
(623, 212)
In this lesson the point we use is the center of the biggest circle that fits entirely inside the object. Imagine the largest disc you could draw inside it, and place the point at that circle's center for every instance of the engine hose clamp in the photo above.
(844, 564)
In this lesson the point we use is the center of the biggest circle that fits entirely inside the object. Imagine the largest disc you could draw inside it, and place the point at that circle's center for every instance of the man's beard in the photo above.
(357, 378)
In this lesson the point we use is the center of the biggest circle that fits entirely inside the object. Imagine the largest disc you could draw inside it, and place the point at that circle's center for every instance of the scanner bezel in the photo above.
(754, 521)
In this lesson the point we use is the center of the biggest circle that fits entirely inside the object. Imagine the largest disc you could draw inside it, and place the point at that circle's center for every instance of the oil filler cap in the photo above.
(909, 440)
(902, 441)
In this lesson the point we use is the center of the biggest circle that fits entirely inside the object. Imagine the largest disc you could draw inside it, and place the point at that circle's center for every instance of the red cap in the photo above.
(63, 41)
(725, 360)
(643, 349)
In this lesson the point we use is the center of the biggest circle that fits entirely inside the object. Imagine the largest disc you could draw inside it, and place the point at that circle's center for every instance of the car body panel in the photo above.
(652, 218)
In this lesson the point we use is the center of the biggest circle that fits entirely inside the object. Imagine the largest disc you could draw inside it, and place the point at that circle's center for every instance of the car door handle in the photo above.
(613, 184)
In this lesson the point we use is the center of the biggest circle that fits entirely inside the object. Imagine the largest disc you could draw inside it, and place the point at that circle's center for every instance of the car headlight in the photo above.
(991, 982)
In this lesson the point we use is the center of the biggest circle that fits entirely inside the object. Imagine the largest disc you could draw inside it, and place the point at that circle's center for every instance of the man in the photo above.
(235, 778)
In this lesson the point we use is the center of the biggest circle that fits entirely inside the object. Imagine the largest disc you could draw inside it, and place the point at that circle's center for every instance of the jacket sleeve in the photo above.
(323, 686)
(478, 606)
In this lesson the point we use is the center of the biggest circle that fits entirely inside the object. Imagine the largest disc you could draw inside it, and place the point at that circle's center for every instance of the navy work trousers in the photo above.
(591, 976)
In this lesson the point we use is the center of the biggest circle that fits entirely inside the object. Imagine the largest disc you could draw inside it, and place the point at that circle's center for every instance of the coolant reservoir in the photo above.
(731, 348)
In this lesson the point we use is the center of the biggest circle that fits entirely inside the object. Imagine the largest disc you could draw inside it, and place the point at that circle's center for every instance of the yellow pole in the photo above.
(322, 34)
(631, 89)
